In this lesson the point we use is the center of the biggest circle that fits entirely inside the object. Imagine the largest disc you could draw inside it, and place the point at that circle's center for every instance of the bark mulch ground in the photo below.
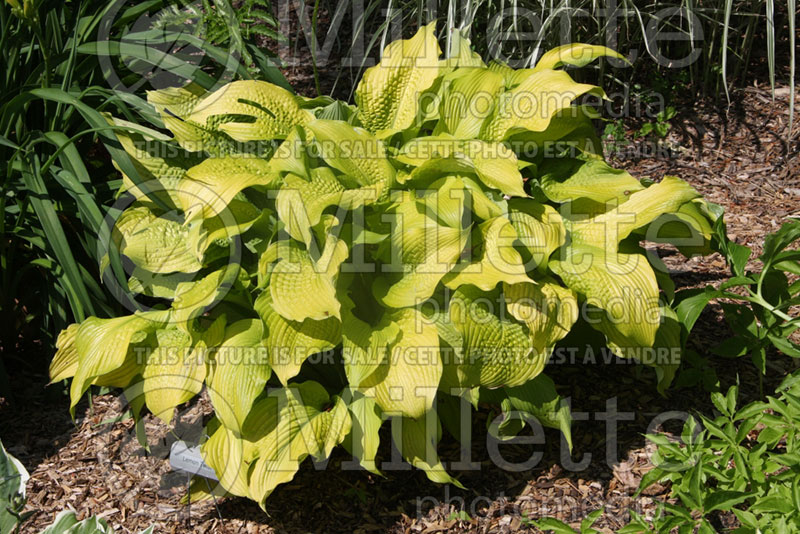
(736, 157)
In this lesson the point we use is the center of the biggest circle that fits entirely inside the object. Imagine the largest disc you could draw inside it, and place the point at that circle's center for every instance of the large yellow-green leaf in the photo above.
(238, 372)
(300, 202)
(538, 397)
(569, 179)
(291, 156)
(65, 361)
(192, 298)
(497, 351)
(271, 111)
(238, 217)
(642, 207)
(494, 163)
(175, 104)
(548, 310)
(388, 94)
(364, 435)
(154, 159)
(423, 251)
(300, 287)
(177, 101)
(176, 369)
(570, 127)
(460, 53)
(303, 428)
(469, 97)
(290, 343)
(354, 151)
(623, 285)
(416, 438)
(224, 453)
(364, 346)
(102, 346)
(495, 258)
(408, 378)
(689, 229)
(575, 54)
(156, 244)
(456, 199)
(209, 187)
(532, 104)
(540, 230)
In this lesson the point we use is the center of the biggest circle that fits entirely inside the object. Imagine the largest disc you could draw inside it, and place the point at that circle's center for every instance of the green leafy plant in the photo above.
(660, 126)
(58, 182)
(614, 133)
(757, 304)
(745, 461)
(320, 268)
(549, 524)
(13, 478)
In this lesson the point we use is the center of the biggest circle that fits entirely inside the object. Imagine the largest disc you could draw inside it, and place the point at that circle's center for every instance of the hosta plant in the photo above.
(320, 268)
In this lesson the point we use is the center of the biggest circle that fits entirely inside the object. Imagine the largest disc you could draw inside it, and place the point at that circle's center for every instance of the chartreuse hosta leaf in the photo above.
(547, 309)
(101, 346)
(539, 228)
(623, 285)
(249, 110)
(289, 343)
(174, 104)
(532, 104)
(153, 158)
(364, 346)
(300, 289)
(65, 361)
(497, 350)
(389, 93)
(355, 152)
(565, 180)
(364, 435)
(416, 438)
(609, 228)
(238, 372)
(538, 397)
(423, 251)
(496, 260)
(575, 54)
(469, 98)
(309, 423)
(156, 244)
(405, 382)
(176, 368)
(433, 242)
(494, 163)
(452, 198)
(208, 188)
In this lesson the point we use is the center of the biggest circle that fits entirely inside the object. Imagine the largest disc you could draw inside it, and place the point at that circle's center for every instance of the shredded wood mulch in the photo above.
(736, 157)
